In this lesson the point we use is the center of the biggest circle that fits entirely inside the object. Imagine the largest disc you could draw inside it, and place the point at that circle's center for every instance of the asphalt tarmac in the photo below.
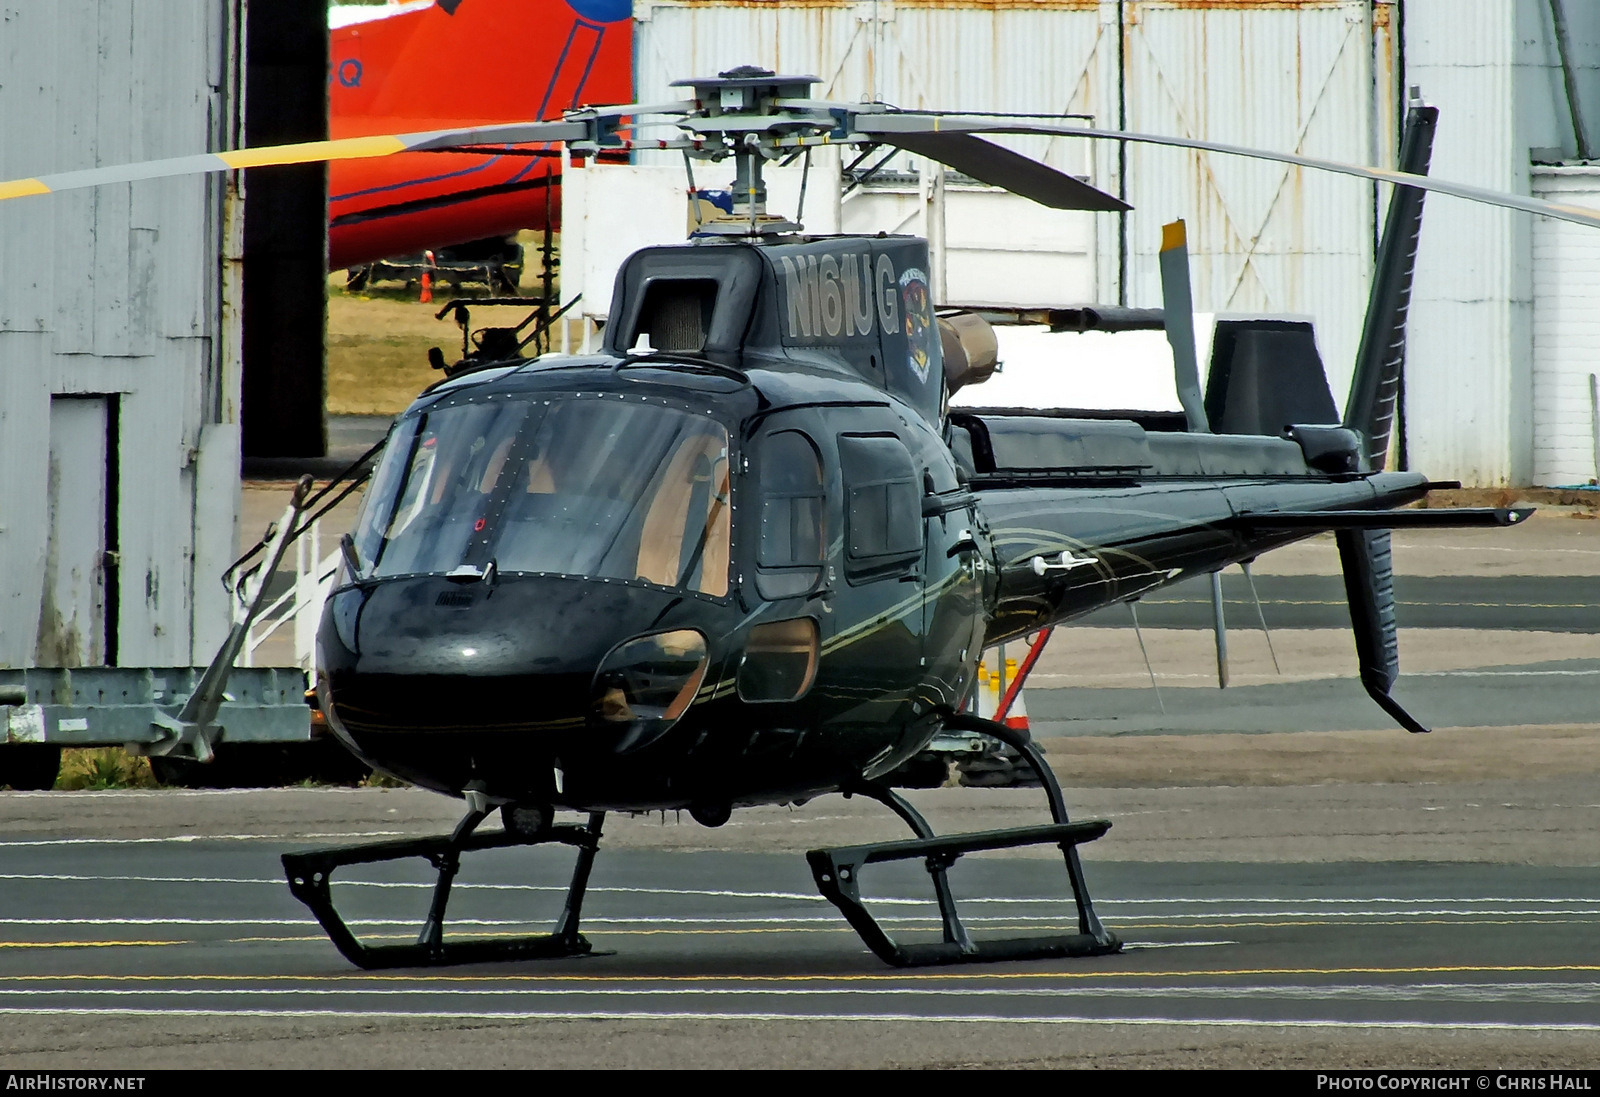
(157, 931)
(1298, 883)
(1557, 692)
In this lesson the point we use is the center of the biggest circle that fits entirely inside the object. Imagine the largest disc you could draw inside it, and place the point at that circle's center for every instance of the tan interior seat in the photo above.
(661, 541)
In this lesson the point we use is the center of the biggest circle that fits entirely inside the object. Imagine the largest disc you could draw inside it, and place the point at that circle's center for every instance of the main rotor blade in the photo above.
(998, 166)
(890, 127)
(308, 152)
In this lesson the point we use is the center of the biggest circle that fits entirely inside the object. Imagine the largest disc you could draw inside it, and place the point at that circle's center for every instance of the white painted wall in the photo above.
(1566, 331)
(609, 211)
(1492, 68)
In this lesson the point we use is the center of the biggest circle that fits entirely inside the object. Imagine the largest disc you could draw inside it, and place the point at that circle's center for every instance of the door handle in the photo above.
(964, 543)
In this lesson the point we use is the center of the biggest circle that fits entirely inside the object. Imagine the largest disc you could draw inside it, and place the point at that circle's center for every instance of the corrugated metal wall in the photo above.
(1492, 68)
(1566, 331)
(1313, 76)
(116, 296)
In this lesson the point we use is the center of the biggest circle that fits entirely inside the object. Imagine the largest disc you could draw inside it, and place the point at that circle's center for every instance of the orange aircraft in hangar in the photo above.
(441, 64)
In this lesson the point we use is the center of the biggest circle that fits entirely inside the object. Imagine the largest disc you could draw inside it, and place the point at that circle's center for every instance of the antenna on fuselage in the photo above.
(1138, 634)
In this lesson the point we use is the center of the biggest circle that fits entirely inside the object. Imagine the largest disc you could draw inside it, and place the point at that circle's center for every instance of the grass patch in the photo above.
(378, 352)
(97, 768)
(378, 339)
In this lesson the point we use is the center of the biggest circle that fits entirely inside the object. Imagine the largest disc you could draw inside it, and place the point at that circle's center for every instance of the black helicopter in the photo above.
(747, 554)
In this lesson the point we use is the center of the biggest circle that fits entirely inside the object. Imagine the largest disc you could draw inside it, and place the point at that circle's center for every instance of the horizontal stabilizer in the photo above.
(1437, 518)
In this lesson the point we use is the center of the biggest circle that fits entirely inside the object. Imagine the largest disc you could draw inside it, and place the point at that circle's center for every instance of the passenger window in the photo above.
(883, 506)
(780, 661)
(793, 541)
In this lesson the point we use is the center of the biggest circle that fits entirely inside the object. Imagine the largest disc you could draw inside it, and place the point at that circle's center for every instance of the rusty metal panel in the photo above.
(1263, 237)
(969, 56)
(1037, 58)
(114, 294)
(1308, 76)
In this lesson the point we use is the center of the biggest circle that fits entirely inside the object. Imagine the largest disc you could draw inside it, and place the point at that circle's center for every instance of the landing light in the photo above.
(648, 682)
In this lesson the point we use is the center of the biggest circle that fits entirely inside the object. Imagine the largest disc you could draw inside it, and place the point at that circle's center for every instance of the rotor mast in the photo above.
(747, 109)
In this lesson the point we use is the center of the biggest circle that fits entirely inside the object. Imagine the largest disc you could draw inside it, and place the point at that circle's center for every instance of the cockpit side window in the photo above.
(793, 543)
(883, 505)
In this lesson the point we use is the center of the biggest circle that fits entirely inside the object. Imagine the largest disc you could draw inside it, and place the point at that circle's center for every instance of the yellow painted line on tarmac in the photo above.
(920, 977)
(87, 944)
(1414, 605)
(1463, 920)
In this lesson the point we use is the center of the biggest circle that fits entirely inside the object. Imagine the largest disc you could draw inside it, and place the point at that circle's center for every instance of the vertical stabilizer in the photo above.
(1376, 385)
(1369, 585)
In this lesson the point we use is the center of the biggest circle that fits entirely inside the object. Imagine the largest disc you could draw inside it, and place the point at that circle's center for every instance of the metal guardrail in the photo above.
(125, 706)
(300, 605)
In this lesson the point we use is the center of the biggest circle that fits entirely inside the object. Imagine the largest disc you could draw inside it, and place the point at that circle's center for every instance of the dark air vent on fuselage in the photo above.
(676, 315)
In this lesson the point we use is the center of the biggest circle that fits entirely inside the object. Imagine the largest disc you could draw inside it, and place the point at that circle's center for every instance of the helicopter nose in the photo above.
(574, 659)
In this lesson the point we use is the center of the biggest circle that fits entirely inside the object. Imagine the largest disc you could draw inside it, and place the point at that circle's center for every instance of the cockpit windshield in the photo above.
(582, 485)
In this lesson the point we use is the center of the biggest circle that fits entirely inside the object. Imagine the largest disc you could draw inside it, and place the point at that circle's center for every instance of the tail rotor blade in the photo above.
(1178, 305)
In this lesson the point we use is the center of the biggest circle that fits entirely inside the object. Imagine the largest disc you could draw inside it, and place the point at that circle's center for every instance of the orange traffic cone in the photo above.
(426, 296)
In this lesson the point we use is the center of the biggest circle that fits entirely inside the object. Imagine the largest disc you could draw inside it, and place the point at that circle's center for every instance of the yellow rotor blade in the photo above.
(307, 152)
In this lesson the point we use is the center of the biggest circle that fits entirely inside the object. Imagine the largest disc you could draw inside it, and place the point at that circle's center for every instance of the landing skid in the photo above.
(310, 878)
(838, 872)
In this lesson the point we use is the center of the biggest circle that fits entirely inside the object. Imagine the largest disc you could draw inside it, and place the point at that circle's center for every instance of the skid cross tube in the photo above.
(310, 875)
(838, 872)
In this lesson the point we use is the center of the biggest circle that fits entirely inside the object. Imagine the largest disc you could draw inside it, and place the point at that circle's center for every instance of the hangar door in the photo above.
(77, 609)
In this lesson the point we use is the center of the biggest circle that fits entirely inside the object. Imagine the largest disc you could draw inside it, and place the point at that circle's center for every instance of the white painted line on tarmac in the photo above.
(1477, 993)
(1292, 678)
(185, 839)
(1157, 900)
(1432, 906)
(849, 1018)
(278, 881)
(1556, 993)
